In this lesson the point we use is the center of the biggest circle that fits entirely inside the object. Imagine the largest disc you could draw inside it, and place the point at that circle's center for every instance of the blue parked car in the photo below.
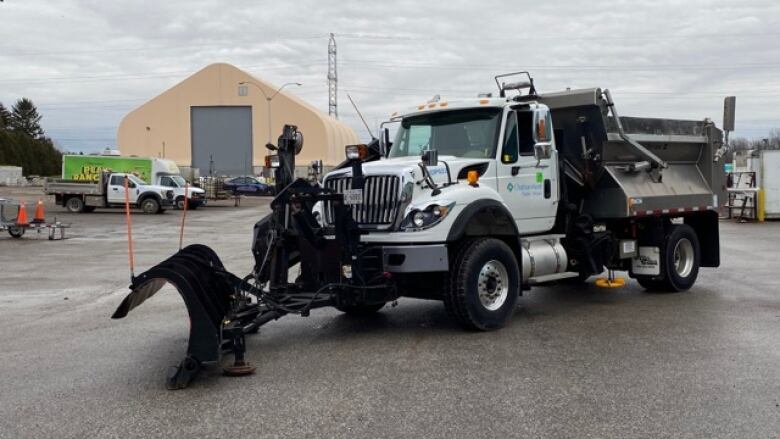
(248, 185)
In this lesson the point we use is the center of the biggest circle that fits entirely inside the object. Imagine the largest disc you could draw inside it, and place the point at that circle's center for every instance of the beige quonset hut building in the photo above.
(210, 122)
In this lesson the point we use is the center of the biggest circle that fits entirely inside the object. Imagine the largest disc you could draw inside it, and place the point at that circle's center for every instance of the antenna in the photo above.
(333, 79)
(361, 116)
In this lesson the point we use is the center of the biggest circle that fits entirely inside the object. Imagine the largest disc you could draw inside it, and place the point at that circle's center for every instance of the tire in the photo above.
(16, 231)
(74, 205)
(679, 265)
(484, 285)
(180, 203)
(150, 205)
(360, 310)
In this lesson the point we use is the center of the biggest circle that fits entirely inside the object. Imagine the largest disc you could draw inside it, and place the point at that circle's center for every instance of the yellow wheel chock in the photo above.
(610, 281)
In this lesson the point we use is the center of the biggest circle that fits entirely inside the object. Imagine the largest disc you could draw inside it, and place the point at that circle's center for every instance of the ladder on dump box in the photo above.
(742, 195)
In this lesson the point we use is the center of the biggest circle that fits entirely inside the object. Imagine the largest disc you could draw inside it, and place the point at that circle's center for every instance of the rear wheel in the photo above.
(484, 285)
(679, 264)
(16, 231)
(74, 205)
(150, 205)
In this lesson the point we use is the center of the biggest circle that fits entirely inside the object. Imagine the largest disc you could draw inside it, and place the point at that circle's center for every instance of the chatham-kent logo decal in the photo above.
(524, 188)
(644, 260)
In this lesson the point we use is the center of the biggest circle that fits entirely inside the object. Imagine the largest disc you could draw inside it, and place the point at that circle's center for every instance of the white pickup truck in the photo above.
(109, 191)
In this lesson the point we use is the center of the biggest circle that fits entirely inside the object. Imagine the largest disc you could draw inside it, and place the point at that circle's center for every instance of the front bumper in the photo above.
(415, 258)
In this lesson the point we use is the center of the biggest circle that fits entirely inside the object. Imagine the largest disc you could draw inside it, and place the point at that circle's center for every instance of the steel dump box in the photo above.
(615, 170)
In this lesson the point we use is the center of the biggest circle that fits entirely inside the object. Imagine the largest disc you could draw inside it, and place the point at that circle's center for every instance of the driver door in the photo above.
(529, 187)
(116, 189)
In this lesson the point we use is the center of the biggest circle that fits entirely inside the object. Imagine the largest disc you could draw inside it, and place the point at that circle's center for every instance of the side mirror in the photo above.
(298, 142)
(729, 111)
(384, 142)
(430, 157)
(542, 151)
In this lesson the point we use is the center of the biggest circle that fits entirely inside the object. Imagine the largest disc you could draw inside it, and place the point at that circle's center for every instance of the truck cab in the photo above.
(196, 196)
(150, 198)
(506, 149)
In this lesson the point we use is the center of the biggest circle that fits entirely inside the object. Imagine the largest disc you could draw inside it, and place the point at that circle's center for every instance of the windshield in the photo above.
(172, 181)
(136, 180)
(459, 133)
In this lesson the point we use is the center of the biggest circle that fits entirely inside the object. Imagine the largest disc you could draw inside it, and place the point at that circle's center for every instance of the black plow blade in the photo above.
(196, 273)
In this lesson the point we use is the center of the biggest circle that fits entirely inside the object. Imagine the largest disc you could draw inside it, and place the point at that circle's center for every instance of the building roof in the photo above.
(165, 118)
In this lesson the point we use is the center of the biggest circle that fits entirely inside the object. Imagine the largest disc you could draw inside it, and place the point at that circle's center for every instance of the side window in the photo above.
(166, 181)
(509, 151)
(525, 132)
(117, 180)
(419, 139)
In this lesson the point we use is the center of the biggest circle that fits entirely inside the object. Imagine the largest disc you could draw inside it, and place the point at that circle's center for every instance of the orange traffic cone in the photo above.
(40, 216)
(21, 217)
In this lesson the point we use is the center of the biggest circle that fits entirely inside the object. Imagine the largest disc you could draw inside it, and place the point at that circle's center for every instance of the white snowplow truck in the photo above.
(479, 199)
(474, 202)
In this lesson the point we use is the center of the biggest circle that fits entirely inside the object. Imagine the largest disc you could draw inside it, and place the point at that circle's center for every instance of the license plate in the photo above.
(353, 196)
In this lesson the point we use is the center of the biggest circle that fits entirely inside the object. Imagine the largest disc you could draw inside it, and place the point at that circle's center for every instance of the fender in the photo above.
(483, 217)
(147, 194)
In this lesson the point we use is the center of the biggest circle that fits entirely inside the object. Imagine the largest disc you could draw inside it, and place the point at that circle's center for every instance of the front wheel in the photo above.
(679, 264)
(150, 205)
(484, 285)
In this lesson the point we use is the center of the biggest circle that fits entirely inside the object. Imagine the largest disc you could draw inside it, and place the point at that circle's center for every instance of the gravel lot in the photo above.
(574, 362)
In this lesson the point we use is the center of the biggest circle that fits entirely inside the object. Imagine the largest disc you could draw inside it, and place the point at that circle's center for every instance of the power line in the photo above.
(368, 64)
(473, 92)
(416, 38)
(228, 44)
(130, 76)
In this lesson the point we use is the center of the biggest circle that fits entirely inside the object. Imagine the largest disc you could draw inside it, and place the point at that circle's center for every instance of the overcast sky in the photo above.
(86, 63)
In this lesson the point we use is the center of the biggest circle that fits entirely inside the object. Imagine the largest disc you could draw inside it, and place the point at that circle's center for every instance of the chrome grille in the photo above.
(381, 194)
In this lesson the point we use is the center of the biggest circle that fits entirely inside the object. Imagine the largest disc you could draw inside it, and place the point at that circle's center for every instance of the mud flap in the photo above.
(194, 272)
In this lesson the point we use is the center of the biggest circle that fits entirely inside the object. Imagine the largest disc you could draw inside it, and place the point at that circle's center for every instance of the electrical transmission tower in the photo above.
(333, 79)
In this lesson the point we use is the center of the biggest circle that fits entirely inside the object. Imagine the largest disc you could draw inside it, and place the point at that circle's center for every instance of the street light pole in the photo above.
(268, 100)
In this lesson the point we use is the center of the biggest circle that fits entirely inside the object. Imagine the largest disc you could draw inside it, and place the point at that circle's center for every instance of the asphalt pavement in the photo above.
(575, 362)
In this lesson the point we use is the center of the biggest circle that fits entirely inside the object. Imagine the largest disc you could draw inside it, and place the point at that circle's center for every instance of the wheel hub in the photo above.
(683, 257)
(493, 285)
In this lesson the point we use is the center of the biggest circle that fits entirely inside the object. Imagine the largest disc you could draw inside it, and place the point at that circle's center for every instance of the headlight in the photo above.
(355, 152)
(419, 219)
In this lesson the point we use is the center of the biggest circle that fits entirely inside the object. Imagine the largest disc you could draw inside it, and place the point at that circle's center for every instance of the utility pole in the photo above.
(333, 79)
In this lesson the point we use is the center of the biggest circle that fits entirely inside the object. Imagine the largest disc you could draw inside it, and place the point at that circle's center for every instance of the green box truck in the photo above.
(155, 171)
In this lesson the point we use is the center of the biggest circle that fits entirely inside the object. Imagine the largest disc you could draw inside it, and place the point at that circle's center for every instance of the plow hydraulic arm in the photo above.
(224, 308)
